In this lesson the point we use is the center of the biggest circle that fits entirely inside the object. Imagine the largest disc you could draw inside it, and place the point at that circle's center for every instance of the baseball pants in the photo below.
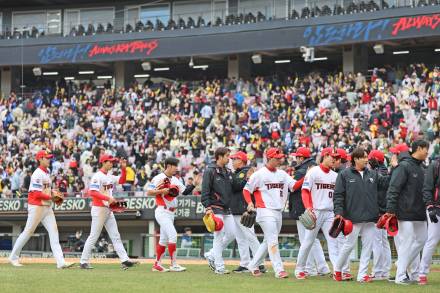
(270, 222)
(430, 245)
(228, 231)
(412, 236)
(45, 215)
(413, 269)
(381, 254)
(103, 217)
(165, 218)
(316, 263)
(340, 241)
(324, 220)
(367, 233)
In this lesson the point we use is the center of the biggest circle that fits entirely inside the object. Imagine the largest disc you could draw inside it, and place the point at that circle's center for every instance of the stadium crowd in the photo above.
(148, 122)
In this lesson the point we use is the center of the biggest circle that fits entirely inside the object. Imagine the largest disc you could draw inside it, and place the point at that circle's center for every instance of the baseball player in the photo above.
(405, 201)
(316, 264)
(101, 190)
(432, 202)
(381, 246)
(317, 194)
(40, 210)
(269, 186)
(244, 236)
(356, 199)
(216, 198)
(164, 213)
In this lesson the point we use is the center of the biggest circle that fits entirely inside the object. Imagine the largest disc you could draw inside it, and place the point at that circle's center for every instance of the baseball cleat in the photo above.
(15, 263)
(177, 268)
(366, 279)
(262, 269)
(337, 276)
(347, 277)
(211, 262)
(85, 266)
(423, 280)
(159, 268)
(256, 273)
(404, 282)
(128, 264)
(67, 265)
(222, 272)
(241, 269)
(282, 275)
(378, 278)
(301, 276)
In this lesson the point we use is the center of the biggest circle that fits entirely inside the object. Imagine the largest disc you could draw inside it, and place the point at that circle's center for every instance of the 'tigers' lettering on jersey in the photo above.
(270, 186)
(325, 186)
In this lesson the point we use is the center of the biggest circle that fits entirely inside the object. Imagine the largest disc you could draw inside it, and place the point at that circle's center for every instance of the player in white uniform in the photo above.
(164, 213)
(317, 194)
(269, 186)
(40, 210)
(101, 190)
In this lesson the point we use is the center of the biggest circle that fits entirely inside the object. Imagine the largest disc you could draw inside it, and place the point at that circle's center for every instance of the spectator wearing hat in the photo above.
(381, 246)
(316, 264)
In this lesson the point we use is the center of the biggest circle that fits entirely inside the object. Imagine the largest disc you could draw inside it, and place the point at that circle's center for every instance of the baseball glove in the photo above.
(57, 197)
(433, 213)
(164, 184)
(174, 190)
(337, 227)
(308, 219)
(248, 219)
(118, 206)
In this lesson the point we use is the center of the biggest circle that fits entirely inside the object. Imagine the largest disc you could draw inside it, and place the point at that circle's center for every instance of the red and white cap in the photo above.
(302, 152)
(43, 154)
(399, 148)
(274, 153)
(342, 154)
(240, 155)
(107, 158)
(329, 151)
(377, 155)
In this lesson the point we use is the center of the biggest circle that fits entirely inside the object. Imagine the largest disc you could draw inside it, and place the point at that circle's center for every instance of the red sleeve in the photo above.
(42, 196)
(298, 184)
(247, 196)
(98, 195)
(123, 177)
(307, 198)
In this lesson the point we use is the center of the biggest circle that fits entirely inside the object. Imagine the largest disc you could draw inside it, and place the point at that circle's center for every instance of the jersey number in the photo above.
(330, 194)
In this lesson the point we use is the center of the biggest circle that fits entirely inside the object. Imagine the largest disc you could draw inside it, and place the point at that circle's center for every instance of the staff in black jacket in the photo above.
(405, 200)
(432, 200)
(216, 198)
(381, 246)
(316, 264)
(355, 199)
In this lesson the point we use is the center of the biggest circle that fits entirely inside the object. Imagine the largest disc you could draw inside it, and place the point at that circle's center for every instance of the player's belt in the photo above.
(168, 208)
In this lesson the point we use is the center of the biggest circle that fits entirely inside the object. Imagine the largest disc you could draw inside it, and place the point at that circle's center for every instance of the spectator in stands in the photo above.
(186, 238)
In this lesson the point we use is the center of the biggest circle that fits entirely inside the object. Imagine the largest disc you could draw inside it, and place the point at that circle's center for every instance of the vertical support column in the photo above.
(355, 58)
(119, 69)
(16, 230)
(239, 66)
(6, 81)
(151, 239)
(233, 7)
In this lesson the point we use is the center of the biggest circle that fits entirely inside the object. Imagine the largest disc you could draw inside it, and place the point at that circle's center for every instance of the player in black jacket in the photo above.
(405, 200)
(316, 264)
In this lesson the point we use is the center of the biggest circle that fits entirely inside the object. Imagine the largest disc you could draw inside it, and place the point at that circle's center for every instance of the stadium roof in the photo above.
(35, 3)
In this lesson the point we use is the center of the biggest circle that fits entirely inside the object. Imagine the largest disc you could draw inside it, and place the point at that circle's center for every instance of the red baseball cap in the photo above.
(329, 151)
(240, 155)
(274, 153)
(105, 158)
(399, 148)
(377, 155)
(302, 152)
(342, 153)
(43, 154)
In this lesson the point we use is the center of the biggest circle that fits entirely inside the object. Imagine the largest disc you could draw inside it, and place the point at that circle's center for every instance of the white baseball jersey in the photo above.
(165, 200)
(321, 186)
(40, 183)
(270, 188)
(104, 184)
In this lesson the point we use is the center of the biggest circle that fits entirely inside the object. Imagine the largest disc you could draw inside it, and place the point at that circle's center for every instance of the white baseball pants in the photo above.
(270, 222)
(412, 237)
(367, 233)
(413, 269)
(228, 231)
(316, 263)
(430, 245)
(103, 217)
(324, 220)
(165, 218)
(45, 215)
(381, 254)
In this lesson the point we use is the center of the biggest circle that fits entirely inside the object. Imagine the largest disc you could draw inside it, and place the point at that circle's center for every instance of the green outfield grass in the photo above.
(110, 278)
